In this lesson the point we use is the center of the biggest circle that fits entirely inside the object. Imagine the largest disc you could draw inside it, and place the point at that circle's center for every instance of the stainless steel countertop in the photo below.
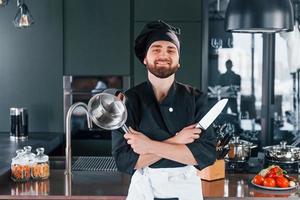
(83, 184)
(114, 185)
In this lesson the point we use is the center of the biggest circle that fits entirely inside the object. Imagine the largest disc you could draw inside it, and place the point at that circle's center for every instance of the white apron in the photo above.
(181, 182)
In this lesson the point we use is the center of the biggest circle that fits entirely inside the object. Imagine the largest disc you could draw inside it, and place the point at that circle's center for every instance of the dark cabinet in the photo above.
(168, 10)
(96, 37)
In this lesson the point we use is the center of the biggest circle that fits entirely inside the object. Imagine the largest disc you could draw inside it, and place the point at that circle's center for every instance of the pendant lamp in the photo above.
(259, 16)
(3, 3)
(23, 18)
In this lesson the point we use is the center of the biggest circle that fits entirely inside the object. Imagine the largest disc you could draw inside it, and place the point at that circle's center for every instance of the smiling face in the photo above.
(162, 59)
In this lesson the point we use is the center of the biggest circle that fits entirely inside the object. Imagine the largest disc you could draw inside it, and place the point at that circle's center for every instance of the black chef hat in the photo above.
(155, 31)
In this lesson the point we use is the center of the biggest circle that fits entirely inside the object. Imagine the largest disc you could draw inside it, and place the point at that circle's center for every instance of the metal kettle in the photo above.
(107, 112)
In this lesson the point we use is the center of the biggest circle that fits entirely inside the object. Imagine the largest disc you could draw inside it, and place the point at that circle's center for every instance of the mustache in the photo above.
(162, 60)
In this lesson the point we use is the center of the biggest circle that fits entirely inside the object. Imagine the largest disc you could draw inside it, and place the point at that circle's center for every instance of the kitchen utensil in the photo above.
(219, 152)
(18, 123)
(212, 114)
(222, 152)
(225, 140)
(219, 130)
(282, 153)
(239, 150)
(222, 128)
(108, 112)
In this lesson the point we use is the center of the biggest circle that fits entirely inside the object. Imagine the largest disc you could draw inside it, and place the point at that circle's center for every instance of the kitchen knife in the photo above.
(212, 114)
(220, 133)
(219, 153)
(226, 139)
(224, 153)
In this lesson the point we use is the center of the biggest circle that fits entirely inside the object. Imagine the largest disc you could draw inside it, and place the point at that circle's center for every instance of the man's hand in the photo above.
(187, 135)
(138, 141)
(173, 148)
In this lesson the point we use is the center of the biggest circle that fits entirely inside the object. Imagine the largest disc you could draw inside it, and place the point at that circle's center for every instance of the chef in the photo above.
(163, 148)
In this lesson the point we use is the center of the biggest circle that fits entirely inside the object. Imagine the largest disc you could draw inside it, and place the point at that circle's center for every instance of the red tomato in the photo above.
(282, 182)
(274, 175)
(258, 179)
(269, 182)
(275, 172)
(271, 175)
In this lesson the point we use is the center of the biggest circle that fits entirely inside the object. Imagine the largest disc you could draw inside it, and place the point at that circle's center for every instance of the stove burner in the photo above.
(234, 167)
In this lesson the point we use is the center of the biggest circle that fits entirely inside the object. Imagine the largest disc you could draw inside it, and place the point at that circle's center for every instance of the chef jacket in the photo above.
(183, 106)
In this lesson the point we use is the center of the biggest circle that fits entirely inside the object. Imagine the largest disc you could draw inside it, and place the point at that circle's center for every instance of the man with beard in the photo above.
(163, 148)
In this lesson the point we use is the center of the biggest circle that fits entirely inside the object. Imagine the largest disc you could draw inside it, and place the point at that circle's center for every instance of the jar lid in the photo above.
(40, 156)
(29, 157)
(19, 159)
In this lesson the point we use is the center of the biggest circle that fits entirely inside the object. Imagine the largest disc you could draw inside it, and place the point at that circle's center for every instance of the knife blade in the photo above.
(212, 114)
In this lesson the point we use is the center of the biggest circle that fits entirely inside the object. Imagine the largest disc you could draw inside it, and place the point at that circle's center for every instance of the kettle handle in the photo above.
(125, 129)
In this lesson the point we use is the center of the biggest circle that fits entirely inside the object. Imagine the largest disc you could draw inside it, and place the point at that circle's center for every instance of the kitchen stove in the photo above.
(252, 166)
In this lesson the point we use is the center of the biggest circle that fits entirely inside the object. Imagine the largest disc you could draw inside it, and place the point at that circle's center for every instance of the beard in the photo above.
(162, 72)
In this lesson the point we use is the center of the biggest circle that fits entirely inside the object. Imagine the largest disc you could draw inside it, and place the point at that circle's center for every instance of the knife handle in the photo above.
(199, 126)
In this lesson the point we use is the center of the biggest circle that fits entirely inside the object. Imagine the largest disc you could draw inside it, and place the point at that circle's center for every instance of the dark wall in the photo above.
(31, 66)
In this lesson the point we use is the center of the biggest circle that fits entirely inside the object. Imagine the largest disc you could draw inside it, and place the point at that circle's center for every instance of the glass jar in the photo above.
(20, 169)
(40, 169)
(29, 157)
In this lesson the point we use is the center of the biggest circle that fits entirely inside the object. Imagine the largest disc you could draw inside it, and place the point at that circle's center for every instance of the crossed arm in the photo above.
(174, 148)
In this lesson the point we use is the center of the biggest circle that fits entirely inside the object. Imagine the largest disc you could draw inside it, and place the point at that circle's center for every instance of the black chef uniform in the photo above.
(183, 106)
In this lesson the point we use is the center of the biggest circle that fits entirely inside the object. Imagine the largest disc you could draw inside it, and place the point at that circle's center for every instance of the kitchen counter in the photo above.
(109, 184)
(85, 185)
(114, 185)
(49, 141)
